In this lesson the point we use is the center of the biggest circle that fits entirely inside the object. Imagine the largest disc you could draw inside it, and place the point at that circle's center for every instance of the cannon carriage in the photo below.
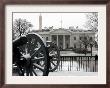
(34, 57)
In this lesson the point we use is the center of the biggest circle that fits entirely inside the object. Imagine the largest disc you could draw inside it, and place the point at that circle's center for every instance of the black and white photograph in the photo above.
(55, 44)
(46, 43)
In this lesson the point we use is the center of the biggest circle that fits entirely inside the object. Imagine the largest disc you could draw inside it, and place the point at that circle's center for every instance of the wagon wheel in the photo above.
(54, 55)
(34, 57)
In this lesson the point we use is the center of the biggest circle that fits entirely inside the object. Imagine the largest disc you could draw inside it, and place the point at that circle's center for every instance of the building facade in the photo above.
(66, 38)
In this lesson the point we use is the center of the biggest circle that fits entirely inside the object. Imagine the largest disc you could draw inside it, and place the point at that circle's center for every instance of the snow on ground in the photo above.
(71, 53)
(74, 69)
(72, 73)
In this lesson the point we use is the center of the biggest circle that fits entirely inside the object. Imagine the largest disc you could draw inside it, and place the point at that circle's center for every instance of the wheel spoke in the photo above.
(55, 59)
(21, 72)
(35, 63)
(33, 70)
(37, 58)
(53, 63)
(36, 51)
(52, 51)
(38, 67)
(50, 66)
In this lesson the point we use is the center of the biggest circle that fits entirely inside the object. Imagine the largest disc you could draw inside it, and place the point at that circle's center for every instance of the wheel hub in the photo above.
(27, 59)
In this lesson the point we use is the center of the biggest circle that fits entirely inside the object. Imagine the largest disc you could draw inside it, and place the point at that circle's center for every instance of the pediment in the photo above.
(60, 31)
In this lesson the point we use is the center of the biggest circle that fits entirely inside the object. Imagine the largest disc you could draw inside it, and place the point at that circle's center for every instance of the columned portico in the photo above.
(62, 41)
(65, 39)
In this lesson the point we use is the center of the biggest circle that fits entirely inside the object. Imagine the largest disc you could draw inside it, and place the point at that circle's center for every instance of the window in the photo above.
(91, 38)
(67, 45)
(74, 38)
(74, 45)
(54, 38)
(46, 38)
(80, 46)
(79, 38)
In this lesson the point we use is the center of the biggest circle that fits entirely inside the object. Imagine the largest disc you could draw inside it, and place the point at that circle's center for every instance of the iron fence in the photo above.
(78, 63)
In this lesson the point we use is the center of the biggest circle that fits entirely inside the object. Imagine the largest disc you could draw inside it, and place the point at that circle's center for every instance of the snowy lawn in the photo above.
(71, 53)
(72, 73)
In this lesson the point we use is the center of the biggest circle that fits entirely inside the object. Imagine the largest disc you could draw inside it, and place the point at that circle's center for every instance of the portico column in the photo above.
(70, 40)
(57, 40)
(63, 41)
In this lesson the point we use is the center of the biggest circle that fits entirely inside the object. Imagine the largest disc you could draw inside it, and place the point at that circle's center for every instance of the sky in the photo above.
(54, 19)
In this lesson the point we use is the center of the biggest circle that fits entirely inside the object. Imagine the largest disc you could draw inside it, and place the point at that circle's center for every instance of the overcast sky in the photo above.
(54, 19)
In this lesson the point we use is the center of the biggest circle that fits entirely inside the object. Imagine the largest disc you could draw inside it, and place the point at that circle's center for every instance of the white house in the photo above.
(65, 38)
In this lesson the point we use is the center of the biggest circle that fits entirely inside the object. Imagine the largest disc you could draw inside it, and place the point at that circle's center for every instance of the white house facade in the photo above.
(65, 38)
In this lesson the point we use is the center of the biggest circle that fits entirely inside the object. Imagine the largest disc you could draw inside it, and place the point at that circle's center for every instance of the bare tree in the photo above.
(92, 24)
(92, 21)
(92, 43)
(21, 27)
(87, 41)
